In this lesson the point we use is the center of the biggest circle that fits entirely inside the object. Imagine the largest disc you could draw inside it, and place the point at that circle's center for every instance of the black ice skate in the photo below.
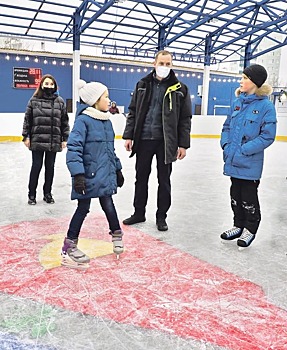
(234, 232)
(245, 239)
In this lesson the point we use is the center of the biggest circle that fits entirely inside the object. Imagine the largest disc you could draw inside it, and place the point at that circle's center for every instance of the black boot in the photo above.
(161, 224)
(32, 200)
(48, 198)
(134, 219)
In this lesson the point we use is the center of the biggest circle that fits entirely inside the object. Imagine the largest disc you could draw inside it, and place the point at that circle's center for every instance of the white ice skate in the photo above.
(118, 245)
(72, 256)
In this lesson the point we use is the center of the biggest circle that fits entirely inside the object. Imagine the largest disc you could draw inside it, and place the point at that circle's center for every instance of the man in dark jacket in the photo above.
(158, 123)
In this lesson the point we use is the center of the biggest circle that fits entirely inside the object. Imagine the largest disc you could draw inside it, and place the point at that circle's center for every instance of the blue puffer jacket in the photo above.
(90, 151)
(249, 129)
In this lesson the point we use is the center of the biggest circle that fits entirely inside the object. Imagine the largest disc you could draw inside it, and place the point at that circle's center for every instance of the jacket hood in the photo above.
(264, 90)
(80, 108)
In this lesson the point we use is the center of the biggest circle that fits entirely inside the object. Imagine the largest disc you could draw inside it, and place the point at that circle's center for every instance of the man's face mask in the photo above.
(162, 71)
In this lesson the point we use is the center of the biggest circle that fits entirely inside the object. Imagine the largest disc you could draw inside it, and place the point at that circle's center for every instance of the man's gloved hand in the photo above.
(120, 178)
(80, 184)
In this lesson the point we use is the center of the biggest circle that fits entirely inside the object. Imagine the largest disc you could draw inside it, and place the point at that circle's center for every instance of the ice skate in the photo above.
(118, 246)
(72, 256)
(234, 232)
(245, 239)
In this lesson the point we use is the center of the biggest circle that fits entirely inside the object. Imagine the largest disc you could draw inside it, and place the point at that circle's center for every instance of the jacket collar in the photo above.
(263, 91)
(96, 114)
(83, 108)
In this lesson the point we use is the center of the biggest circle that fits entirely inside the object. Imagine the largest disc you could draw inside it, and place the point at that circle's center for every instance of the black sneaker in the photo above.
(48, 198)
(32, 200)
(161, 225)
(134, 219)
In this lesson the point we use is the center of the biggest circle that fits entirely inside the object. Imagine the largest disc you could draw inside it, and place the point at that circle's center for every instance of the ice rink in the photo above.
(181, 289)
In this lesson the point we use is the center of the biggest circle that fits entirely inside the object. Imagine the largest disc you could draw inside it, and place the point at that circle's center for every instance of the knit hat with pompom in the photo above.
(90, 92)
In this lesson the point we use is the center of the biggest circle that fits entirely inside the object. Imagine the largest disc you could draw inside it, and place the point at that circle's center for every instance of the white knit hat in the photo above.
(90, 92)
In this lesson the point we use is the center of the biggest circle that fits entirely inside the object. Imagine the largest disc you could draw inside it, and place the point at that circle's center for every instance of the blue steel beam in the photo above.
(76, 31)
(207, 54)
(113, 30)
(247, 55)
(245, 33)
(268, 50)
(159, 35)
(44, 21)
(20, 8)
(96, 15)
(162, 31)
(206, 19)
(249, 33)
(161, 38)
(35, 15)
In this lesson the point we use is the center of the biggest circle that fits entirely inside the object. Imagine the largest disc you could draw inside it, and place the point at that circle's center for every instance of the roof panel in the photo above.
(183, 24)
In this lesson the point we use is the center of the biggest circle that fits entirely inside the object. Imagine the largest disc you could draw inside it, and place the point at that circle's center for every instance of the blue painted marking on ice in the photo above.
(9, 342)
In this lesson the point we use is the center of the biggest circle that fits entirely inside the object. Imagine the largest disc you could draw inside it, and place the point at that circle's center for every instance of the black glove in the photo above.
(120, 178)
(80, 184)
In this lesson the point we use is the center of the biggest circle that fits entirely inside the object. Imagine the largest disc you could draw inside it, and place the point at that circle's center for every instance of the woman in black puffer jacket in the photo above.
(45, 132)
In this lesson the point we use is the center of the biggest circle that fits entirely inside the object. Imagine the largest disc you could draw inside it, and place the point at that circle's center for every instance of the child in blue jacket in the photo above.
(94, 167)
(247, 131)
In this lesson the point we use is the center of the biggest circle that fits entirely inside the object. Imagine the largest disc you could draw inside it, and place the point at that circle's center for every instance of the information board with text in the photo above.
(26, 78)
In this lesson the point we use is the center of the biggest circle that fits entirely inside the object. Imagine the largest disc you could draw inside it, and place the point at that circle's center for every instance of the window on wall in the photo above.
(69, 104)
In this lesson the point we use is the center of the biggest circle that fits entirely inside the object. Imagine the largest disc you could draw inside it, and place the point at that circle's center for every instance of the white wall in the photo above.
(11, 124)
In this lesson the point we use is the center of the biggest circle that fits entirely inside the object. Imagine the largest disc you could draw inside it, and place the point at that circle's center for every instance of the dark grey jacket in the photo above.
(176, 115)
(46, 123)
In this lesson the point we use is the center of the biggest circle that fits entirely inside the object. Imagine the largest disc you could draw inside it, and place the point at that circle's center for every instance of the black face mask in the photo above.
(48, 91)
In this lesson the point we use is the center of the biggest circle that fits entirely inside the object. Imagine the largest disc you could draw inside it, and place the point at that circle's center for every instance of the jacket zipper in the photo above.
(52, 124)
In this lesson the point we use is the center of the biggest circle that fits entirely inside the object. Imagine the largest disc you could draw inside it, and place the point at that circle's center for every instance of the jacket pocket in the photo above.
(251, 127)
(90, 171)
(242, 161)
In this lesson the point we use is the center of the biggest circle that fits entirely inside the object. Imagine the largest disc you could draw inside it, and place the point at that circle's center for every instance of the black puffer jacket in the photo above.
(176, 115)
(46, 123)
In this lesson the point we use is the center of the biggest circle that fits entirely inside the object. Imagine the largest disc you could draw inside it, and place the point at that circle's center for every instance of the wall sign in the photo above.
(26, 78)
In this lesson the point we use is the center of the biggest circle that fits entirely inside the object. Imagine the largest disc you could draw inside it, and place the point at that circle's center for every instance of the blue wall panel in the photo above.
(15, 100)
(120, 83)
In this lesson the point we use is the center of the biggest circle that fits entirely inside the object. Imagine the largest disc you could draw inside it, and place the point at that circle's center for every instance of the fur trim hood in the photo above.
(264, 90)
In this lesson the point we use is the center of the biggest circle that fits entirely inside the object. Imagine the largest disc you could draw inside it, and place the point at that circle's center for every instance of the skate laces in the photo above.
(232, 232)
(246, 236)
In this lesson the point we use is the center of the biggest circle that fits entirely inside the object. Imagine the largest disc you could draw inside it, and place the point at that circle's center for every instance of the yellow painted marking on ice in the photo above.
(50, 254)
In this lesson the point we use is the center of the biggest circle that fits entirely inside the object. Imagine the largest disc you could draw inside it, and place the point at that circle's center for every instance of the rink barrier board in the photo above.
(118, 137)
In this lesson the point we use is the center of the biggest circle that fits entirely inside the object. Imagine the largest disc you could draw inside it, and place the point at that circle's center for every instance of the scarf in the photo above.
(96, 114)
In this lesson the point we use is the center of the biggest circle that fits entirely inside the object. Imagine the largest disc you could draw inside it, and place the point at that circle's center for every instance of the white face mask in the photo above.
(162, 71)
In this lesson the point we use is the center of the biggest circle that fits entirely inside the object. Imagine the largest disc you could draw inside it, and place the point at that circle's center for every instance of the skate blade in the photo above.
(227, 241)
(118, 252)
(118, 255)
(74, 265)
(242, 248)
